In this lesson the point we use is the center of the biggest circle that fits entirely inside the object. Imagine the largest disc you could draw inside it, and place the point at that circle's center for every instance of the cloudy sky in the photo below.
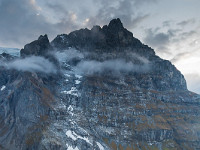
(171, 27)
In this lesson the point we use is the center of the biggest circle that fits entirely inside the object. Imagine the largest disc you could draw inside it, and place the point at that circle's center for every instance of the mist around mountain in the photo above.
(96, 89)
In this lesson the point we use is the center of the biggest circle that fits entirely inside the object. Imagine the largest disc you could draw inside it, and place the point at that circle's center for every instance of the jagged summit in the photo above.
(116, 24)
(38, 47)
(43, 38)
(110, 37)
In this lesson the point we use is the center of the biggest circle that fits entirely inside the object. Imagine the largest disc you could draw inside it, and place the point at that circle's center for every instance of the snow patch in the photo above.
(74, 136)
(72, 121)
(77, 82)
(73, 91)
(70, 108)
(61, 106)
(67, 75)
(78, 76)
(82, 130)
(71, 148)
(71, 135)
(100, 146)
(3, 87)
(108, 130)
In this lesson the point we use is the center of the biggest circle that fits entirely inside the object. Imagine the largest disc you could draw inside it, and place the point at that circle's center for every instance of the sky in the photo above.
(170, 27)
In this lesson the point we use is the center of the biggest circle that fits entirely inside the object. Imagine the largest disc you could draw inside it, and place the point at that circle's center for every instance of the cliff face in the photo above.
(110, 92)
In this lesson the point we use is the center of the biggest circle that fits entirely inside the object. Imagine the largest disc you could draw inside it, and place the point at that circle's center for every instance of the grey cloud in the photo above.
(167, 23)
(31, 64)
(185, 55)
(180, 56)
(138, 3)
(22, 23)
(162, 41)
(180, 36)
(158, 39)
(193, 81)
(68, 55)
(186, 22)
(115, 67)
(188, 34)
(125, 10)
(137, 20)
(65, 22)
(65, 26)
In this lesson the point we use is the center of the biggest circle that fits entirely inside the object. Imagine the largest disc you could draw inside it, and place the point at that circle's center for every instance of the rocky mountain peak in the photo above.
(43, 38)
(116, 24)
(38, 47)
(96, 28)
(110, 37)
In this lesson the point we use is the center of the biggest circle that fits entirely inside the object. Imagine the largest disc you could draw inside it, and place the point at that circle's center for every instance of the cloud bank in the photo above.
(31, 64)
(68, 55)
(89, 66)
(116, 66)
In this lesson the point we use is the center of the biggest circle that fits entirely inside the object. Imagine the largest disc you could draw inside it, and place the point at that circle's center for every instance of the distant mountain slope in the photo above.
(11, 51)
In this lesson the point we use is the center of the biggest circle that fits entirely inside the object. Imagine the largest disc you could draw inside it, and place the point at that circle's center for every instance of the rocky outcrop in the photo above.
(39, 47)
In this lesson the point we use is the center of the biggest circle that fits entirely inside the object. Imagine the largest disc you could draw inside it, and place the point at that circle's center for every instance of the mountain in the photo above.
(96, 89)
(12, 51)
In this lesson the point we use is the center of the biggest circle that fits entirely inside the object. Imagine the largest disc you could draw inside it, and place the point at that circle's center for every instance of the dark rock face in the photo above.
(25, 106)
(135, 109)
(39, 47)
(108, 38)
(117, 35)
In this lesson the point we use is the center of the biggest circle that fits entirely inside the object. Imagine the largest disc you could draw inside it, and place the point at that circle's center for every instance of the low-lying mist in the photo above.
(68, 55)
(115, 66)
(82, 63)
(92, 66)
(31, 64)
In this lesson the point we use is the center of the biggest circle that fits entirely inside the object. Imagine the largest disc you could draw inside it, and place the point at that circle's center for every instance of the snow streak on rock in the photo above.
(3, 87)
